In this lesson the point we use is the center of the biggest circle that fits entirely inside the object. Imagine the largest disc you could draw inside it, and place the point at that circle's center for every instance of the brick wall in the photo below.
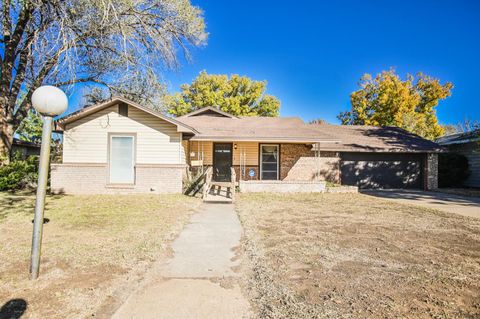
(83, 178)
(247, 170)
(431, 171)
(298, 163)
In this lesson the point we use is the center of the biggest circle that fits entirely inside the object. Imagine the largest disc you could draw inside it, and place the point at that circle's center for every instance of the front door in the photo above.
(222, 161)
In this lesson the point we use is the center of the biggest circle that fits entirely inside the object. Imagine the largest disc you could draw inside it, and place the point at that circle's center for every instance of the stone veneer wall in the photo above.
(89, 178)
(298, 163)
(431, 171)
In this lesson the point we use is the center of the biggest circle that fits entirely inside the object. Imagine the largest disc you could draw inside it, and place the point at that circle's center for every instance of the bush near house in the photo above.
(453, 170)
(19, 174)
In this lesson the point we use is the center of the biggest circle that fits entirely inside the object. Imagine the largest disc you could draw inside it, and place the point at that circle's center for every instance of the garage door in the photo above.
(382, 170)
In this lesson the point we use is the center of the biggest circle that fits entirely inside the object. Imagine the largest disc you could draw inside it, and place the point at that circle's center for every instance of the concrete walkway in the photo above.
(199, 281)
(463, 205)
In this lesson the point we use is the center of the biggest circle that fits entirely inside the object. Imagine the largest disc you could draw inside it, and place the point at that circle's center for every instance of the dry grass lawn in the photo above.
(94, 247)
(356, 256)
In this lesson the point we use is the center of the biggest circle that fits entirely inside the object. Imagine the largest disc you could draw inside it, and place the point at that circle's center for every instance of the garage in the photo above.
(382, 170)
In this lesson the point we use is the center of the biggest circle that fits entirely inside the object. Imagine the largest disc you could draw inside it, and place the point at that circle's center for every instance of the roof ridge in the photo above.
(97, 107)
(208, 108)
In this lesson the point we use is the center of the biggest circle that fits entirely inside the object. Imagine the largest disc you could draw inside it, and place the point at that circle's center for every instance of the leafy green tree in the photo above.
(237, 95)
(387, 100)
(30, 129)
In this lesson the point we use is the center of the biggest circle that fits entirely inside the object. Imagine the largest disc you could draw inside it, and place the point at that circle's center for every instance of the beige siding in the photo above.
(250, 149)
(202, 150)
(157, 141)
(185, 153)
(205, 150)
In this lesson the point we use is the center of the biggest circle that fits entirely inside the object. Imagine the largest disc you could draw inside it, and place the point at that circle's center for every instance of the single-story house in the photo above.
(24, 148)
(467, 144)
(122, 147)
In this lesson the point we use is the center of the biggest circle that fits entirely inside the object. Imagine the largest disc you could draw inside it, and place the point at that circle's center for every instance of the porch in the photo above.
(265, 161)
(268, 166)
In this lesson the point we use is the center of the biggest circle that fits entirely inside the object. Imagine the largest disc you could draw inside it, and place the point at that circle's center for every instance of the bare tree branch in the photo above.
(118, 46)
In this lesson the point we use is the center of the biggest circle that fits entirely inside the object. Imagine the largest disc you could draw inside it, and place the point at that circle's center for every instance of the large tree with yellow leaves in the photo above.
(388, 100)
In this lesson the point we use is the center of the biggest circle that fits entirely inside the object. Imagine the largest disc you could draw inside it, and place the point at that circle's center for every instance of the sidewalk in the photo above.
(199, 281)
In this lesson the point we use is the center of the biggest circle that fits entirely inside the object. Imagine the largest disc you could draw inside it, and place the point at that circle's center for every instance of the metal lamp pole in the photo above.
(40, 200)
(48, 101)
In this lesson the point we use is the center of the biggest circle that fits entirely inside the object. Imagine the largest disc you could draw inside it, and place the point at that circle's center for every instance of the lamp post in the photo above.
(49, 101)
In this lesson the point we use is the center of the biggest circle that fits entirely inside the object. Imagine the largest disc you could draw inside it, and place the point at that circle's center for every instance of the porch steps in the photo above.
(219, 194)
(217, 199)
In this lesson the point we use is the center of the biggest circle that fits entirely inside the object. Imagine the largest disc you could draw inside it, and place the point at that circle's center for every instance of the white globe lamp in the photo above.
(49, 101)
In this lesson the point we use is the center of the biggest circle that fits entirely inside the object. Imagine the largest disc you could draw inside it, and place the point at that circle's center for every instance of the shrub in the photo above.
(19, 174)
(452, 170)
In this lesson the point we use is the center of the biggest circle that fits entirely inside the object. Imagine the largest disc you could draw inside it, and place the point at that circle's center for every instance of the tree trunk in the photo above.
(6, 140)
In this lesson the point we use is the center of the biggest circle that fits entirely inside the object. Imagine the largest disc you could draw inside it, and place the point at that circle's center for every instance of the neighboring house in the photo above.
(120, 146)
(467, 144)
(24, 148)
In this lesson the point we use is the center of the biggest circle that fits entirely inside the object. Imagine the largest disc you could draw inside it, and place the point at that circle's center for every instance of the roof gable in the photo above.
(75, 116)
(209, 111)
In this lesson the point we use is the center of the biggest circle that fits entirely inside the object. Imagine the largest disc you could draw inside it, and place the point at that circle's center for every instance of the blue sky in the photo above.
(312, 53)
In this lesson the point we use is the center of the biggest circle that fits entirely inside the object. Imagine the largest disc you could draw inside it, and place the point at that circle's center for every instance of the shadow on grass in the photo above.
(20, 203)
(13, 309)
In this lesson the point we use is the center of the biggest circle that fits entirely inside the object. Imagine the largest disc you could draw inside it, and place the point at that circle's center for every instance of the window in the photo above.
(269, 161)
(122, 159)
(123, 109)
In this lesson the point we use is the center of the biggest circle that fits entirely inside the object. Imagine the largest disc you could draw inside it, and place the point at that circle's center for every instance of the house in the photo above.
(122, 147)
(467, 144)
(24, 149)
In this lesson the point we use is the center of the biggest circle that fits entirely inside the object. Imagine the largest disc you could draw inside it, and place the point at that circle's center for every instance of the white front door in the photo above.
(122, 159)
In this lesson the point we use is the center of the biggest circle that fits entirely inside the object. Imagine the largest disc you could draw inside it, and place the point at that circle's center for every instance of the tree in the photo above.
(468, 125)
(114, 45)
(237, 95)
(387, 100)
(30, 130)
(449, 129)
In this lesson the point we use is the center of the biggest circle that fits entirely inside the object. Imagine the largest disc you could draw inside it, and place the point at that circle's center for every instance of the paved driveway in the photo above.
(463, 205)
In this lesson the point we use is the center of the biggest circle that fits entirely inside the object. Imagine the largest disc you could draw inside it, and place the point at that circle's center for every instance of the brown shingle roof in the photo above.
(253, 128)
(359, 138)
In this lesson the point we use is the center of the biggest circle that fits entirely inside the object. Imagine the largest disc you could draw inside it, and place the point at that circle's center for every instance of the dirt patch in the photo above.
(94, 247)
(355, 256)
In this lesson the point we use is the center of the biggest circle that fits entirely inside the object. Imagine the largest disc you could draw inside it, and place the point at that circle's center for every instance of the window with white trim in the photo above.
(269, 161)
(122, 159)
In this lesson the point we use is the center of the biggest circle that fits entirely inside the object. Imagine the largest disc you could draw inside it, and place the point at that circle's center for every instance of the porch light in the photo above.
(49, 101)
(235, 146)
